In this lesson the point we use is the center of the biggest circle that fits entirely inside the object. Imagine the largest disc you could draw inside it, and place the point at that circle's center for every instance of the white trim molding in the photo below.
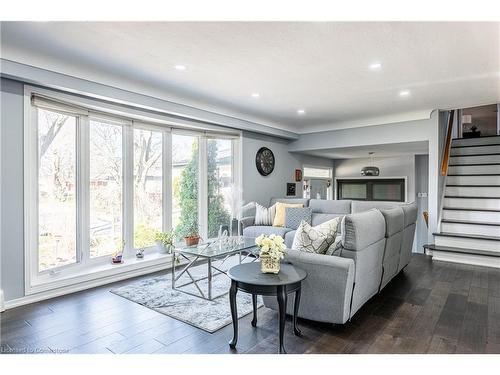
(2, 301)
(82, 282)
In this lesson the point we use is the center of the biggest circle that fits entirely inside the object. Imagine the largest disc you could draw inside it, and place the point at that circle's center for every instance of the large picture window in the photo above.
(56, 189)
(106, 183)
(98, 183)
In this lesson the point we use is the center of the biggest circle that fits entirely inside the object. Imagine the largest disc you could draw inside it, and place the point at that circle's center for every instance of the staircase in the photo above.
(470, 220)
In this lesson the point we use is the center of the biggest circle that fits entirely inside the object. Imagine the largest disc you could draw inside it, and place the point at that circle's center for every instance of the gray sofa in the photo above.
(377, 239)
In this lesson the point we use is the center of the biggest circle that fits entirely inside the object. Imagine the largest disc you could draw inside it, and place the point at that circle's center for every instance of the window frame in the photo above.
(86, 267)
(369, 182)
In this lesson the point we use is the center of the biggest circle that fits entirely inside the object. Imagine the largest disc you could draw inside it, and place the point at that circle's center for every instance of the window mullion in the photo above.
(83, 188)
(128, 187)
(167, 181)
(203, 187)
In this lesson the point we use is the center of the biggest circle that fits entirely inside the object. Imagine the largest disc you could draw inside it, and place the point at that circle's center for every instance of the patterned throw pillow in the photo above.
(335, 248)
(293, 216)
(315, 239)
(263, 215)
(279, 218)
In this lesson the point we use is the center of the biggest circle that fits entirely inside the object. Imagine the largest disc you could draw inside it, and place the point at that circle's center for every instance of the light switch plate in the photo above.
(422, 195)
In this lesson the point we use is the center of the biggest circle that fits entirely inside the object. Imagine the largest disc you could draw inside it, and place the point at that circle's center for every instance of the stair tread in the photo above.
(469, 197)
(474, 236)
(470, 209)
(474, 174)
(470, 222)
(482, 145)
(484, 136)
(462, 156)
(471, 164)
(460, 250)
(458, 185)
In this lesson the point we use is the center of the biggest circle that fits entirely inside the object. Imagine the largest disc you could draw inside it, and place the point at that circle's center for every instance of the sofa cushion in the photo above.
(256, 231)
(362, 229)
(321, 218)
(394, 220)
(410, 213)
(279, 218)
(362, 206)
(294, 216)
(264, 215)
(322, 206)
(315, 239)
(289, 236)
(303, 201)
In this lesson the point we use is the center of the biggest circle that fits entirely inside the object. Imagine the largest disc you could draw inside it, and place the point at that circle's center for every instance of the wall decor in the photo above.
(290, 189)
(298, 175)
(264, 161)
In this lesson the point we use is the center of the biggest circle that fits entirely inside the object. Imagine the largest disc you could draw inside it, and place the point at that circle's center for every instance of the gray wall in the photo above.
(401, 166)
(12, 246)
(257, 188)
(421, 186)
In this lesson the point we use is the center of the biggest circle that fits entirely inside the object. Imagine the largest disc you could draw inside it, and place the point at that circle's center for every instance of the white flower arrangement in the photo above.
(272, 246)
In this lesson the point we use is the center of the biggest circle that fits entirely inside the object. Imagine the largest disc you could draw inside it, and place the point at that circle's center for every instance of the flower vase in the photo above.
(269, 264)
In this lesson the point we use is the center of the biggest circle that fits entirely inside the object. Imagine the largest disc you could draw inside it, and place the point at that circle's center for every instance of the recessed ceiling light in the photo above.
(404, 93)
(375, 66)
(255, 95)
(301, 111)
(180, 67)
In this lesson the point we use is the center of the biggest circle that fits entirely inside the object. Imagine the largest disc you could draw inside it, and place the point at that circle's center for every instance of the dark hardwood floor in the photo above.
(431, 307)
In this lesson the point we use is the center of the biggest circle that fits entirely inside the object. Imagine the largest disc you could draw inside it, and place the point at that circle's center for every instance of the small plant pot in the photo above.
(192, 240)
(269, 265)
(164, 249)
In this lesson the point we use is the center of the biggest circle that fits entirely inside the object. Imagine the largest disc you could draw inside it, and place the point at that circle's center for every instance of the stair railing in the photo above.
(444, 164)
(447, 145)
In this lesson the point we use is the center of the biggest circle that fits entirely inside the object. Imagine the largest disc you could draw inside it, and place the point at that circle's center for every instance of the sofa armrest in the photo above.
(247, 222)
(327, 290)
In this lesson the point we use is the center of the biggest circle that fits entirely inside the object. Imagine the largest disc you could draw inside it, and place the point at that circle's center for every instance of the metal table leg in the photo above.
(209, 262)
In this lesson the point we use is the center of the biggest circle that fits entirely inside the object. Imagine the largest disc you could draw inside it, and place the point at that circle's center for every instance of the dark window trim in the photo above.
(369, 182)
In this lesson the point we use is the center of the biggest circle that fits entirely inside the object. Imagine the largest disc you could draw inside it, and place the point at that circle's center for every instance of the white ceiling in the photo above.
(322, 67)
(380, 151)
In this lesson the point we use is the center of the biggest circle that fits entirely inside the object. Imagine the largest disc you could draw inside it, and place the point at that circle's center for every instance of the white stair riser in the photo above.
(475, 159)
(474, 203)
(468, 243)
(475, 150)
(484, 230)
(477, 191)
(473, 180)
(474, 169)
(475, 141)
(485, 216)
(476, 260)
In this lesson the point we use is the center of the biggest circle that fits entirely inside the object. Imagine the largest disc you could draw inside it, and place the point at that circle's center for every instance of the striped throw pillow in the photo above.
(263, 215)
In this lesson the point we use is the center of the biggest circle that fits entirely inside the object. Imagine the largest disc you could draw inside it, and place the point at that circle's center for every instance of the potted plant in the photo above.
(164, 242)
(272, 250)
(192, 237)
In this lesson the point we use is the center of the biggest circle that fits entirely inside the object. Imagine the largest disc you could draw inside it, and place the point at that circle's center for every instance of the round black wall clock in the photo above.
(264, 160)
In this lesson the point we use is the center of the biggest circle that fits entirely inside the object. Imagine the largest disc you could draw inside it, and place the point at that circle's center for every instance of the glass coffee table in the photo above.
(215, 253)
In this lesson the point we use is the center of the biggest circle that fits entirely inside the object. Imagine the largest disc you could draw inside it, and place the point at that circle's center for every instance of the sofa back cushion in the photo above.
(361, 206)
(410, 213)
(294, 216)
(317, 219)
(362, 229)
(394, 220)
(338, 207)
(303, 201)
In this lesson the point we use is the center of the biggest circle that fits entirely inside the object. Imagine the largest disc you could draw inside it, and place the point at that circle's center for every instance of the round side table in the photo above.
(248, 278)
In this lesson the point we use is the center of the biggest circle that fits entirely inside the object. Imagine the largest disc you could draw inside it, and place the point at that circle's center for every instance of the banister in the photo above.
(447, 145)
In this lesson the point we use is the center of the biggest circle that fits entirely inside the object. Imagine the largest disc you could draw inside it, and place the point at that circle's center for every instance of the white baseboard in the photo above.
(82, 286)
(2, 301)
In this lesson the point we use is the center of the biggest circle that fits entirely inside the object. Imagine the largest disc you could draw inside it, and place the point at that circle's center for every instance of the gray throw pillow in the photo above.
(335, 248)
(293, 216)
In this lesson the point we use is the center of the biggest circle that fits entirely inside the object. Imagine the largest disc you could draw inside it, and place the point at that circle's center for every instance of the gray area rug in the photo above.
(156, 293)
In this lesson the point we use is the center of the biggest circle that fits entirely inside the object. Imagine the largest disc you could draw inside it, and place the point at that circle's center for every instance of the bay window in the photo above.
(97, 183)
